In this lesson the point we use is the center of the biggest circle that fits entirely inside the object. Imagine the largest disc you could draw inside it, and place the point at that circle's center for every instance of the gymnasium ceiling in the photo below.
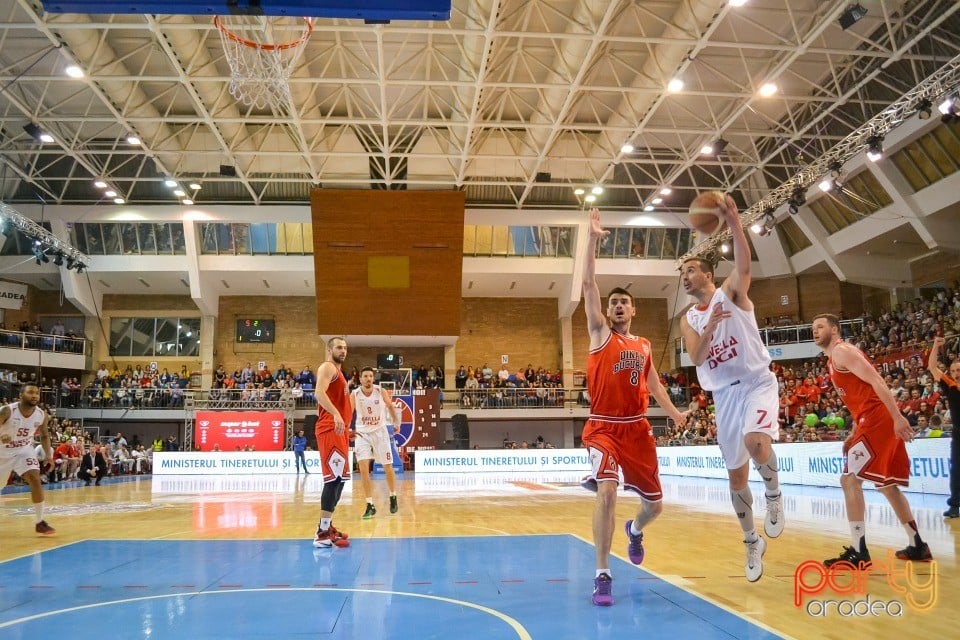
(517, 102)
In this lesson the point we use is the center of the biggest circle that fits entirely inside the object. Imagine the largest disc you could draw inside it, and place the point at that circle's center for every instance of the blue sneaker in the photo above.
(603, 590)
(635, 548)
(589, 483)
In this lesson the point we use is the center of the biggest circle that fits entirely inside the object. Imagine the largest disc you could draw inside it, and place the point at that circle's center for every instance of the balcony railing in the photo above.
(42, 342)
(794, 334)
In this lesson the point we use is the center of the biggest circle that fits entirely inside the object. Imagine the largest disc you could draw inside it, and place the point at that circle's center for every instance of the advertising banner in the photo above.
(237, 430)
(12, 295)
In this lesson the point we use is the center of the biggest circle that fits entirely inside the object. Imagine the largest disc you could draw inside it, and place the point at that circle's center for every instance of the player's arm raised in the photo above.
(394, 414)
(326, 373)
(737, 283)
(662, 397)
(933, 362)
(596, 321)
(846, 356)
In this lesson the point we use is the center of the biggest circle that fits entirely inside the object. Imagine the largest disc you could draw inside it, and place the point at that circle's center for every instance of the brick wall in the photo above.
(296, 344)
(766, 294)
(527, 330)
(39, 303)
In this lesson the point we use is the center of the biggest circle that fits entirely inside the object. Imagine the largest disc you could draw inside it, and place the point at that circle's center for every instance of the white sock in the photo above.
(38, 510)
(606, 571)
(743, 507)
(769, 471)
(633, 528)
(325, 523)
(858, 531)
(369, 500)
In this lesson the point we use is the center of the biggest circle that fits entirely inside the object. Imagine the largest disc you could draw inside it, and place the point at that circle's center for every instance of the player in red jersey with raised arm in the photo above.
(875, 450)
(620, 378)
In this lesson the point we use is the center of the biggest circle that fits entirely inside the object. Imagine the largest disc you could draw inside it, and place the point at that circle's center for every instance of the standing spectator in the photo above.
(299, 446)
(948, 385)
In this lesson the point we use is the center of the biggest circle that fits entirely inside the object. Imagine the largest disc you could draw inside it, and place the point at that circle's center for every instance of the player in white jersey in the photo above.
(19, 423)
(371, 403)
(724, 343)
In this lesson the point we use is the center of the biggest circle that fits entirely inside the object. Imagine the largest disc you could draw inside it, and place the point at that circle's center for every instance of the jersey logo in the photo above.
(721, 352)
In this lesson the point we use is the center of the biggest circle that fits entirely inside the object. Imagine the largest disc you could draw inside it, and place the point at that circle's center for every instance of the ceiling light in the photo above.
(737, 3)
(578, 191)
(118, 200)
(675, 85)
(100, 184)
(195, 186)
(768, 89)
(596, 191)
(80, 267)
(110, 193)
(924, 109)
(798, 197)
(724, 248)
(34, 131)
(132, 139)
(74, 71)
(826, 185)
(648, 208)
(875, 147)
(187, 201)
(46, 137)
(170, 182)
(590, 198)
(58, 258)
(179, 193)
(946, 107)
(852, 15)
(627, 148)
(706, 150)
(657, 201)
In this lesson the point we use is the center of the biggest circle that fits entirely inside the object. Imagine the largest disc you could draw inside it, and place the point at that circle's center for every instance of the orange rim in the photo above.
(264, 47)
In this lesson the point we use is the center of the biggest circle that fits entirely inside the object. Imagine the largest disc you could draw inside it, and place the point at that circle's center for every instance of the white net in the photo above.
(262, 57)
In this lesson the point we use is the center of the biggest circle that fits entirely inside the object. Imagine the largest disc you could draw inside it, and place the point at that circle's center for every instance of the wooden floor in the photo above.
(696, 544)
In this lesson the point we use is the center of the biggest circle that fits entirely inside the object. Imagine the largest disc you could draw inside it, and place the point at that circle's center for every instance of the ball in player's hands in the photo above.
(706, 212)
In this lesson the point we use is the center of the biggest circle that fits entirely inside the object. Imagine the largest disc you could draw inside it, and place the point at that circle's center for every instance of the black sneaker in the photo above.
(916, 552)
(859, 559)
(393, 504)
(370, 512)
(952, 512)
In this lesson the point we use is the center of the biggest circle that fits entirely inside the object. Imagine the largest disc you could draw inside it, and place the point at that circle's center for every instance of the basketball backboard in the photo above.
(376, 10)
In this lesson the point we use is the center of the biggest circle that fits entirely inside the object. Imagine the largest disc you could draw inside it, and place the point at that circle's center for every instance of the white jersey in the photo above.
(736, 351)
(371, 410)
(20, 428)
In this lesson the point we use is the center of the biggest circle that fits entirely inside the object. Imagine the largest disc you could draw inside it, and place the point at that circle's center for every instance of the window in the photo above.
(154, 337)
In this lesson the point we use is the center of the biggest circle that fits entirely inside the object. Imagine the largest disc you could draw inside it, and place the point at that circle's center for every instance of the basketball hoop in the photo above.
(260, 69)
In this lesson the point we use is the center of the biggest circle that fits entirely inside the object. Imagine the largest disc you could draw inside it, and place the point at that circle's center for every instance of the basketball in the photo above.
(706, 215)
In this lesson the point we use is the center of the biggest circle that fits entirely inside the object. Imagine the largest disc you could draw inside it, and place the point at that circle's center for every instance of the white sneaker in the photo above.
(774, 522)
(754, 564)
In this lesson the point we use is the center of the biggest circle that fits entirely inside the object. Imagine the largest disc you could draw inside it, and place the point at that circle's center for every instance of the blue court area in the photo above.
(461, 588)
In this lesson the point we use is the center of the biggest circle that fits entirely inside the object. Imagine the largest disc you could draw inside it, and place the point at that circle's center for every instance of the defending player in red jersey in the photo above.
(620, 377)
(875, 449)
(333, 440)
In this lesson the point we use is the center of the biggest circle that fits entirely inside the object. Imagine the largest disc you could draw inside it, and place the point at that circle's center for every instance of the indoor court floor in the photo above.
(481, 556)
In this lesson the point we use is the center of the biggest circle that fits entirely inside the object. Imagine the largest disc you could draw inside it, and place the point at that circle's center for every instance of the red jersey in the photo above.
(339, 394)
(617, 379)
(857, 395)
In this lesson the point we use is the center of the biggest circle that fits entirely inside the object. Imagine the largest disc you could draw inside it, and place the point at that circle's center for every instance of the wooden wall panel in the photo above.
(350, 226)
(766, 294)
(819, 293)
(942, 267)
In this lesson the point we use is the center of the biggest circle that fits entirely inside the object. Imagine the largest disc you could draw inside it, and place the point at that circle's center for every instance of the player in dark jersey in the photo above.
(620, 377)
(875, 449)
(948, 385)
